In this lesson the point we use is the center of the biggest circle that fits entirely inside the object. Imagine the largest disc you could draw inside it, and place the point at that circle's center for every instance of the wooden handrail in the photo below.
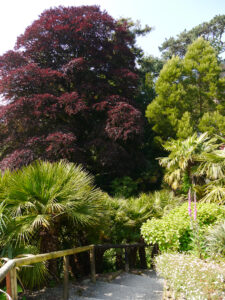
(4, 270)
(122, 246)
(47, 256)
(16, 262)
(9, 269)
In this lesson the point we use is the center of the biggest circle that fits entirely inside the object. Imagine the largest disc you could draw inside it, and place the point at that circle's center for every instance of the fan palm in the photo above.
(214, 192)
(212, 165)
(184, 155)
(42, 195)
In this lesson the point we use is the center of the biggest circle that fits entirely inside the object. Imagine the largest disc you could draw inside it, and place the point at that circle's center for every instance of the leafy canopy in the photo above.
(69, 87)
(186, 90)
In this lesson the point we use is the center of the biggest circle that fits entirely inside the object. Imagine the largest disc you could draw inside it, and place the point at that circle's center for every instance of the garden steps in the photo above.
(127, 286)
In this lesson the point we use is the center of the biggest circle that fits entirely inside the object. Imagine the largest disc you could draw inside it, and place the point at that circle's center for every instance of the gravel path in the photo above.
(126, 286)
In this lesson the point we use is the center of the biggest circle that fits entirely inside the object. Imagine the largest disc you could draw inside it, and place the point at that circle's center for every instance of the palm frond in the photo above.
(214, 193)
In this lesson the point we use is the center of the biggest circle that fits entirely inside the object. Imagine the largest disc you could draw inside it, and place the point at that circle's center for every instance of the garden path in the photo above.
(127, 286)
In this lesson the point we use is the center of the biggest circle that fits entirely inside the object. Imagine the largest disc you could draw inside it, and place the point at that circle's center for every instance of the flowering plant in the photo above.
(192, 278)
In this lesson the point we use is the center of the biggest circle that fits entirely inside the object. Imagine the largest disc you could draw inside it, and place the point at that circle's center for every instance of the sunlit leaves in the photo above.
(40, 195)
(186, 89)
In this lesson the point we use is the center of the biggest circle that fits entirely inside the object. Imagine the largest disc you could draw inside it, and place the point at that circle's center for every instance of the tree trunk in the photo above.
(50, 243)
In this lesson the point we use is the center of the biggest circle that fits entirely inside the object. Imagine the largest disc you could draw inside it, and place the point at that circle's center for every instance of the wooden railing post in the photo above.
(8, 285)
(92, 261)
(126, 260)
(13, 283)
(66, 278)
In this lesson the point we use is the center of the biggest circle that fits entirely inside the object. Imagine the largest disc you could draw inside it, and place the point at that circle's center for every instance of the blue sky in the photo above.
(168, 17)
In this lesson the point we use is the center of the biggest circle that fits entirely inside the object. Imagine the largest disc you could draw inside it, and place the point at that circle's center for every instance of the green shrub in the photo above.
(174, 230)
(109, 260)
(192, 278)
(124, 187)
(127, 215)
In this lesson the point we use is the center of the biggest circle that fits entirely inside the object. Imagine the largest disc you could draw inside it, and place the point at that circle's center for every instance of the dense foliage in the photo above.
(186, 90)
(174, 231)
(39, 200)
(69, 88)
(127, 215)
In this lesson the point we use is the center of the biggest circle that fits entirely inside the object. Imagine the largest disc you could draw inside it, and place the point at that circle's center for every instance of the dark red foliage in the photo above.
(30, 80)
(61, 145)
(11, 60)
(123, 122)
(69, 87)
(72, 104)
(17, 159)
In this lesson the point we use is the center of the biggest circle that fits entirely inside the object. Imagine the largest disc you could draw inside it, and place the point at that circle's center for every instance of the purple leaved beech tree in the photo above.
(68, 87)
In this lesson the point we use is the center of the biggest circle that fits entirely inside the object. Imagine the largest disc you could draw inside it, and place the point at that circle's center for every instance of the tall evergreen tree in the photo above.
(212, 31)
(191, 85)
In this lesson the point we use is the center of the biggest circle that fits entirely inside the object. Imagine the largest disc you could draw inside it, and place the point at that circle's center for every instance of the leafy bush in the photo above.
(127, 215)
(3, 293)
(174, 230)
(124, 187)
(109, 260)
(215, 240)
(192, 278)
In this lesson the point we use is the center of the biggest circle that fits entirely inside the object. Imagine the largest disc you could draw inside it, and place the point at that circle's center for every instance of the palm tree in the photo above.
(42, 196)
(184, 157)
(212, 165)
